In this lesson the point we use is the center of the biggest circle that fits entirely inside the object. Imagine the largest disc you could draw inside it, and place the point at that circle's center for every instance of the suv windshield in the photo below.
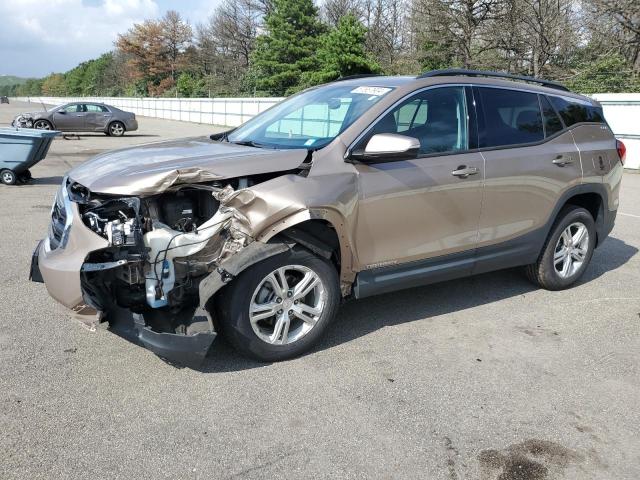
(311, 119)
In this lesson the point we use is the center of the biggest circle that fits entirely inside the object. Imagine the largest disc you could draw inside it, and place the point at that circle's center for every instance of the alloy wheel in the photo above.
(42, 125)
(8, 177)
(116, 129)
(287, 304)
(571, 250)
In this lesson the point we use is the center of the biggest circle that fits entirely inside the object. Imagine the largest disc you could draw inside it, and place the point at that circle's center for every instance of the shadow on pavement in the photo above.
(358, 318)
(56, 180)
(610, 255)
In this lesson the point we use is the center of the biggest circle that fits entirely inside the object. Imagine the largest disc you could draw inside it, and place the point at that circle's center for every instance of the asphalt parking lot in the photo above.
(484, 378)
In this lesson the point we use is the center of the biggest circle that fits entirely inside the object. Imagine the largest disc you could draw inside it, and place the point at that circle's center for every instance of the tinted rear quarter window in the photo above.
(573, 111)
(509, 117)
(552, 123)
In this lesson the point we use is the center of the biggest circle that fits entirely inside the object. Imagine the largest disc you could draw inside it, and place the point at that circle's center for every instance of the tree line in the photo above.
(277, 47)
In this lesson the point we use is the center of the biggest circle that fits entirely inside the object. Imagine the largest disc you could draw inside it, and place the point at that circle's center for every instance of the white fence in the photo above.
(622, 111)
(229, 112)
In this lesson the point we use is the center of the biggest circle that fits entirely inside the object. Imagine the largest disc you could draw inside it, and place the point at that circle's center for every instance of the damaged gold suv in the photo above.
(350, 189)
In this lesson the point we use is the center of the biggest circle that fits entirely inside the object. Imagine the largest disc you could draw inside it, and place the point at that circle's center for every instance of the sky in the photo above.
(38, 37)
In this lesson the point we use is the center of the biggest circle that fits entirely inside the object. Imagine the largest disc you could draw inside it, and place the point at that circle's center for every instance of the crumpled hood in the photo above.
(31, 114)
(154, 167)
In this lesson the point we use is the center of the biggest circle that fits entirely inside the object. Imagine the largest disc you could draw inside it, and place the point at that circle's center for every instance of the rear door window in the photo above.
(508, 117)
(95, 108)
(575, 111)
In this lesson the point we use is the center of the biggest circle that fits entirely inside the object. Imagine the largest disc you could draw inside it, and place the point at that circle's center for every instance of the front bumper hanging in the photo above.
(178, 349)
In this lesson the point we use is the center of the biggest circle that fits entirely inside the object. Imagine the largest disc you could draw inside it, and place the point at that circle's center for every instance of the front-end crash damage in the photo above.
(168, 255)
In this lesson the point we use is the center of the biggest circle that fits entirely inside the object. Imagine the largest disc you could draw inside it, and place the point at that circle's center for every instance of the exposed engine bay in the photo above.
(23, 120)
(160, 248)
(146, 264)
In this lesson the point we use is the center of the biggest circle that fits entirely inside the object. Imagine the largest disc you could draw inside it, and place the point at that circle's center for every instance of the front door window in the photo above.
(437, 118)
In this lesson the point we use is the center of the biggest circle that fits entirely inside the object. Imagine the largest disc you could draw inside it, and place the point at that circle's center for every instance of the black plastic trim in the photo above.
(34, 272)
(413, 274)
(461, 72)
(177, 349)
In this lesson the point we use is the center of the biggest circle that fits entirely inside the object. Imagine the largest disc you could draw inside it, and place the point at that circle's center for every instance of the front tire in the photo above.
(279, 308)
(567, 251)
(42, 125)
(116, 129)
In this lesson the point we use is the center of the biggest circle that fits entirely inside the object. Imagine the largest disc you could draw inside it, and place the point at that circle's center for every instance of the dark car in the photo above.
(4, 99)
(80, 117)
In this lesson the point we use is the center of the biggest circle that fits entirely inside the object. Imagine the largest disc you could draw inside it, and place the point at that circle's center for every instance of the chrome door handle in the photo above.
(561, 161)
(463, 171)
(80, 115)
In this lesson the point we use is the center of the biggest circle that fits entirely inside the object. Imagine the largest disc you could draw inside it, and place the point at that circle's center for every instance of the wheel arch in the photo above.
(324, 232)
(591, 197)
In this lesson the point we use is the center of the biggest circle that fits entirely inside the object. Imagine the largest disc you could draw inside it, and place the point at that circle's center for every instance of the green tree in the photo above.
(31, 87)
(189, 85)
(54, 85)
(608, 74)
(341, 53)
(288, 48)
(75, 79)
(437, 55)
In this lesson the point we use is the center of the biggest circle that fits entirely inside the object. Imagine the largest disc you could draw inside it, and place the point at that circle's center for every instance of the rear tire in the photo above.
(116, 129)
(8, 177)
(566, 252)
(285, 322)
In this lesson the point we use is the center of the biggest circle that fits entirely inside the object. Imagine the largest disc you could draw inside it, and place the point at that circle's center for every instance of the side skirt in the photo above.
(513, 253)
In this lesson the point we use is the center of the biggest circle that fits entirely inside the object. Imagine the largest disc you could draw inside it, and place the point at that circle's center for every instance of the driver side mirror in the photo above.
(62, 112)
(387, 147)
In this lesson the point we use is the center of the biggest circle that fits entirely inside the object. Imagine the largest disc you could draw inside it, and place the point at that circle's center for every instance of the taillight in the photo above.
(622, 151)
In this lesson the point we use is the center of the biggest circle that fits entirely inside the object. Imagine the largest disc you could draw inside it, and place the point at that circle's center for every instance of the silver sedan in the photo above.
(80, 117)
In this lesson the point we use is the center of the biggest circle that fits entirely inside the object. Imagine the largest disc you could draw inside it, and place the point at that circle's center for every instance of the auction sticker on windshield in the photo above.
(374, 91)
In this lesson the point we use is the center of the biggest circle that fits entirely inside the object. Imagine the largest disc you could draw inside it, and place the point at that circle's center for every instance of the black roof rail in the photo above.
(360, 75)
(452, 72)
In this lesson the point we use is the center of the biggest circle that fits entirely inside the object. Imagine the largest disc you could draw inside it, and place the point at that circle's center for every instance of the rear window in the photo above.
(573, 111)
(95, 108)
(509, 117)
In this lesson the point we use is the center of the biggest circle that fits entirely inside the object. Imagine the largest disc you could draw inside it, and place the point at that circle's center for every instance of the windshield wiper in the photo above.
(249, 143)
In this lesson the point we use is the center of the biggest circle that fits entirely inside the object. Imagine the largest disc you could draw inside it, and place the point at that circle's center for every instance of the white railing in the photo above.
(229, 112)
(622, 111)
